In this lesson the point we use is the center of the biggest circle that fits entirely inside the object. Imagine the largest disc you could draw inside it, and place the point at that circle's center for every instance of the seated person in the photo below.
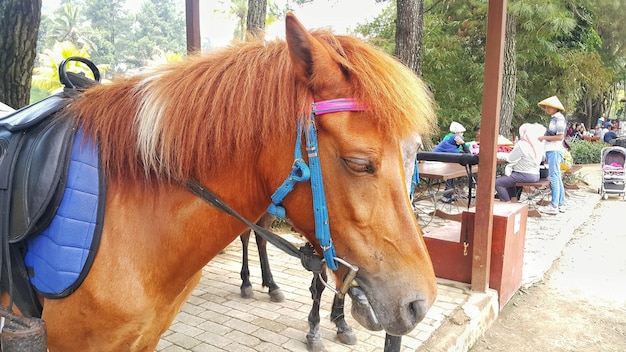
(576, 134)
(453, 142)
(609, 135)
(596, 131)
(570, 130)
(523, 161)
(477, 133)
(474, 146)
(5, 110)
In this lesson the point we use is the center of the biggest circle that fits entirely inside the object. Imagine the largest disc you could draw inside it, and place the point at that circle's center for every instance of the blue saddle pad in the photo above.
(60, 257)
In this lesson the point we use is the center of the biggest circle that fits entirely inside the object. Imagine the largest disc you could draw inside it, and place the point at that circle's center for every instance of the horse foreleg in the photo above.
(276, 295)
(344, 331)
(314, 337)
(246, 286)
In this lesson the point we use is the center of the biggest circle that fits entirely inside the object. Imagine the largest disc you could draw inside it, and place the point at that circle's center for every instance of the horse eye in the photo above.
(359, 165)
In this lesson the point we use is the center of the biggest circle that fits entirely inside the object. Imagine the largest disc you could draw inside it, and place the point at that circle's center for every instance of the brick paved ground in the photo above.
(216, 318)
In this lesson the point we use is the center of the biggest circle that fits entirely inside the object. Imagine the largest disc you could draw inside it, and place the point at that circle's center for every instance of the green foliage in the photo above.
(159, 28)
(541, 56)
(453, 56)
(453, 61)
(110, 25)
(560, 49)
(574, 49)
(585, 152)
(69, 25)
(381, 31)
(36, 94)
(115, 36)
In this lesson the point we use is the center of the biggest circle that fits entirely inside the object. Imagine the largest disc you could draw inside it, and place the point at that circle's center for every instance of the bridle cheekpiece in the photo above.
(301, 172)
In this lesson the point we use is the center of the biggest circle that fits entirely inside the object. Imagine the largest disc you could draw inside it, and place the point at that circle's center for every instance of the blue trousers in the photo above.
(555, 158)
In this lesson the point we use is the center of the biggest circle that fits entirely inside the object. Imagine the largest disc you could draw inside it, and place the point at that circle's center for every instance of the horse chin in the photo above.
(362, 311)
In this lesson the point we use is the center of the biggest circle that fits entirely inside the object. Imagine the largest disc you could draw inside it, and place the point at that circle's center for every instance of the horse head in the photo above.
(361, 155)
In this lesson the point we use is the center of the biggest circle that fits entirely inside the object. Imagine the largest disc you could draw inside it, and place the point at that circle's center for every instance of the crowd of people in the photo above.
(605, 131)
(537, 145)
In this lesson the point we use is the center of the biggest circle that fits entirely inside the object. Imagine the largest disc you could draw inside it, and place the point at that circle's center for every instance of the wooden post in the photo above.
(392, 343)
(192, 11)
(492, 92)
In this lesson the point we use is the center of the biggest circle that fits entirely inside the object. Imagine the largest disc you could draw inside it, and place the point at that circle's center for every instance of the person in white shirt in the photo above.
(523, 161)
(5, 110)
(554, 136)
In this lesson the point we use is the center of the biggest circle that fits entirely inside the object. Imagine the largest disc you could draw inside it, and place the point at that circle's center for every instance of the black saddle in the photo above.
(34, 159)
(33, 155)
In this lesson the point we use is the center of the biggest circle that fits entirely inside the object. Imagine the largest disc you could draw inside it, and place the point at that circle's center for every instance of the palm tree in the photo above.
(68, 26)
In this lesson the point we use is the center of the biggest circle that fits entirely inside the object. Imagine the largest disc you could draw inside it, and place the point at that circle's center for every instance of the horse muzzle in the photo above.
(362, 311)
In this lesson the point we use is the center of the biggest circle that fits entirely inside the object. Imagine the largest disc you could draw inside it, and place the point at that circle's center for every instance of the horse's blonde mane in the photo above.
(192, 117)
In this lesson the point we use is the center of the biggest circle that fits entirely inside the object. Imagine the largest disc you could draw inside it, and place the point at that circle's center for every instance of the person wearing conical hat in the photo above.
(554, 137)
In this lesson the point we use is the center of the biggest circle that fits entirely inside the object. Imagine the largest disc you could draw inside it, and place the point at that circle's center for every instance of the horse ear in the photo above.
(305, 51)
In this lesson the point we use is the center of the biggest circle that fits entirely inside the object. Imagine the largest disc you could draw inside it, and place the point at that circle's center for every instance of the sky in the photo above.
(339, 15)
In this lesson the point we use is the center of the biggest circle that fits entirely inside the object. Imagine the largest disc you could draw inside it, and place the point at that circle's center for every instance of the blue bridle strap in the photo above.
(322, 228)
(301, 172)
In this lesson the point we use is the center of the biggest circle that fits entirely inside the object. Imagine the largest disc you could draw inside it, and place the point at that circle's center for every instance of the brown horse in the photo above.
(228, 120)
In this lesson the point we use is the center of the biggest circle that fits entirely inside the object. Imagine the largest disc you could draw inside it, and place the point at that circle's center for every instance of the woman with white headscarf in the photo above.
(523, 161)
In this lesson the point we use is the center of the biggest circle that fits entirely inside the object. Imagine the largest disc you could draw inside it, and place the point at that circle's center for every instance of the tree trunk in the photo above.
(18, 49)
(409, 25)
(509, 76)
(257, 11)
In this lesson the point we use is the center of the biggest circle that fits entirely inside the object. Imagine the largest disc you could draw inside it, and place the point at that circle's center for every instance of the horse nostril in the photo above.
(417, 310)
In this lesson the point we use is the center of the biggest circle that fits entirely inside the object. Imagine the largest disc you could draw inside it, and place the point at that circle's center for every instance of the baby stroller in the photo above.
(613, 172)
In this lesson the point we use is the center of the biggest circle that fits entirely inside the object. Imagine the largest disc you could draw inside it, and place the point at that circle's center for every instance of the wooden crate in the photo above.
(446, 248)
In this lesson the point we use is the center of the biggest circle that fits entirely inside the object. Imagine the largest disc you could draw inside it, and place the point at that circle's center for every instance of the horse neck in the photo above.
(169, 228)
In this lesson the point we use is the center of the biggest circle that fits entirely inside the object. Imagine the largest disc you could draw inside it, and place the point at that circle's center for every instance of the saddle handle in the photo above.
(66, 81)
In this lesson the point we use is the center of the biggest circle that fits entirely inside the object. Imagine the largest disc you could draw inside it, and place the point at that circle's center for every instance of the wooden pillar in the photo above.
(490, 121)
(192, 11)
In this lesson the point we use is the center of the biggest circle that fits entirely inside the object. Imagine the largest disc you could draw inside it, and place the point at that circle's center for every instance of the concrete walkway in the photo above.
(216, 318)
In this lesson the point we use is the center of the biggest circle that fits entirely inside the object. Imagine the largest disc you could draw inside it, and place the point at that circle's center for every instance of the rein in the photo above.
(300, 172)
(309, 260)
